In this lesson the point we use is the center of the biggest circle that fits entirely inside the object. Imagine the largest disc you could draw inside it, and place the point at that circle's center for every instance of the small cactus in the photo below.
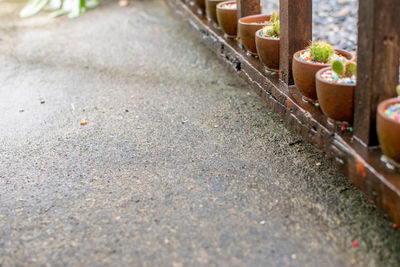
(347, 69)
(398, 90)
(351, 69)
(277, 28)
(274, 17)
(338, 67)
(274, 28)
(321, 51)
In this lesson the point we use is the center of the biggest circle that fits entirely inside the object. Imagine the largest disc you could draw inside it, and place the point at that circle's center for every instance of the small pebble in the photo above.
(123, 3)
(264, 35)
(305, 56)
(42, 102)
(332, 77)
(83, 122)
(229, 6)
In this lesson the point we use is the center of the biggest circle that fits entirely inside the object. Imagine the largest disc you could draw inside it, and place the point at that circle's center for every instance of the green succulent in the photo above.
(274, 17)
(274, 28)
(338, 67)
(344, 69)
(351, 69)
(277, 27)
(321, 51)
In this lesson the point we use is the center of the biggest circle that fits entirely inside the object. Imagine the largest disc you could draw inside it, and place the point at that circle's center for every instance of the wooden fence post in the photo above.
(378, 63)
(296, 33)
(248, 7)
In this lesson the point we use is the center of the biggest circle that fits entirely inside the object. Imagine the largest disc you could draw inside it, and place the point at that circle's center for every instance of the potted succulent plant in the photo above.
(335, 90)
(247, 27)
(268, 44)
(211, 11)
(227, 18)
(307, 62)
(388, 127)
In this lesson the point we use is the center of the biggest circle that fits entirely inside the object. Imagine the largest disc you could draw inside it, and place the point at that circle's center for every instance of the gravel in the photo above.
(333, 21)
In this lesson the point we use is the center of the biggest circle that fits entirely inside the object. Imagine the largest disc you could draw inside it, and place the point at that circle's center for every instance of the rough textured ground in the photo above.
(179, 164)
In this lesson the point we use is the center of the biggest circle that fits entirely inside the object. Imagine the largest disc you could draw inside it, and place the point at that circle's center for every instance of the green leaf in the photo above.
(53, 5)
(398, 90)
(32, 8)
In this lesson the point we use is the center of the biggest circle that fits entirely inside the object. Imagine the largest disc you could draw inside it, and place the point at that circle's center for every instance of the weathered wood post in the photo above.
(248, 7)
(378, 63)
(296, 33)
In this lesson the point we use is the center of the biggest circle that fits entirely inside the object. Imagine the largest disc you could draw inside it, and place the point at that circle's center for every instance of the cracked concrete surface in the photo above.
(180, 163)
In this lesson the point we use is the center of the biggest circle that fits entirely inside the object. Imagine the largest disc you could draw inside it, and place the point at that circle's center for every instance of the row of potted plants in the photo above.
(322, 74)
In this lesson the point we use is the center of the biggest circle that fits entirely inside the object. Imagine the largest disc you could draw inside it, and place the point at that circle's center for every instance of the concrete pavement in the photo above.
(180, 163)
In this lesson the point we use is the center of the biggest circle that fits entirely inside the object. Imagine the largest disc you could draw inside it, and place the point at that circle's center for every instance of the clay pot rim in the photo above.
(319, 78)
(384, 104)
(255, 17)
(338, 51)
(262, 37)
(226, 2)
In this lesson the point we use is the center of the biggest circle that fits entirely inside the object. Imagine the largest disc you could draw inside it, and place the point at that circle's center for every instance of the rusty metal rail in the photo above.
(351, 153)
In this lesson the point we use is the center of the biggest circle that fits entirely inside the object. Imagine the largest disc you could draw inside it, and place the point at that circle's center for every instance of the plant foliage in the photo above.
(74, 8)
(344, 69)
(273, 29)
(321, 51)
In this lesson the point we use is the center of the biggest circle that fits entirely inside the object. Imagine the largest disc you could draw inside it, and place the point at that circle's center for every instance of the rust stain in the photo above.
(288, 104)
(361, 170)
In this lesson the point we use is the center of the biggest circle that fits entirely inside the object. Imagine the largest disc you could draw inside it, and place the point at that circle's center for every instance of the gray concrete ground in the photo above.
(180, 164)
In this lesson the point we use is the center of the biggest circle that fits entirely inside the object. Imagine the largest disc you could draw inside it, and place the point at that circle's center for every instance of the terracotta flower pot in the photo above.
(268, 51)
(227, 19)
(304, 74)
(388, 131)
(211, 10)
(201, 4)
(336, 100)
(248, 26)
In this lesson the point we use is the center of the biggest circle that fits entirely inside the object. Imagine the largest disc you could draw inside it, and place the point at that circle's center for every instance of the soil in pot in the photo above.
(304, 71)
(388, 128)
(227, 18)
(335, 95)
(248, 26)
(211, 11)
(268, 50)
